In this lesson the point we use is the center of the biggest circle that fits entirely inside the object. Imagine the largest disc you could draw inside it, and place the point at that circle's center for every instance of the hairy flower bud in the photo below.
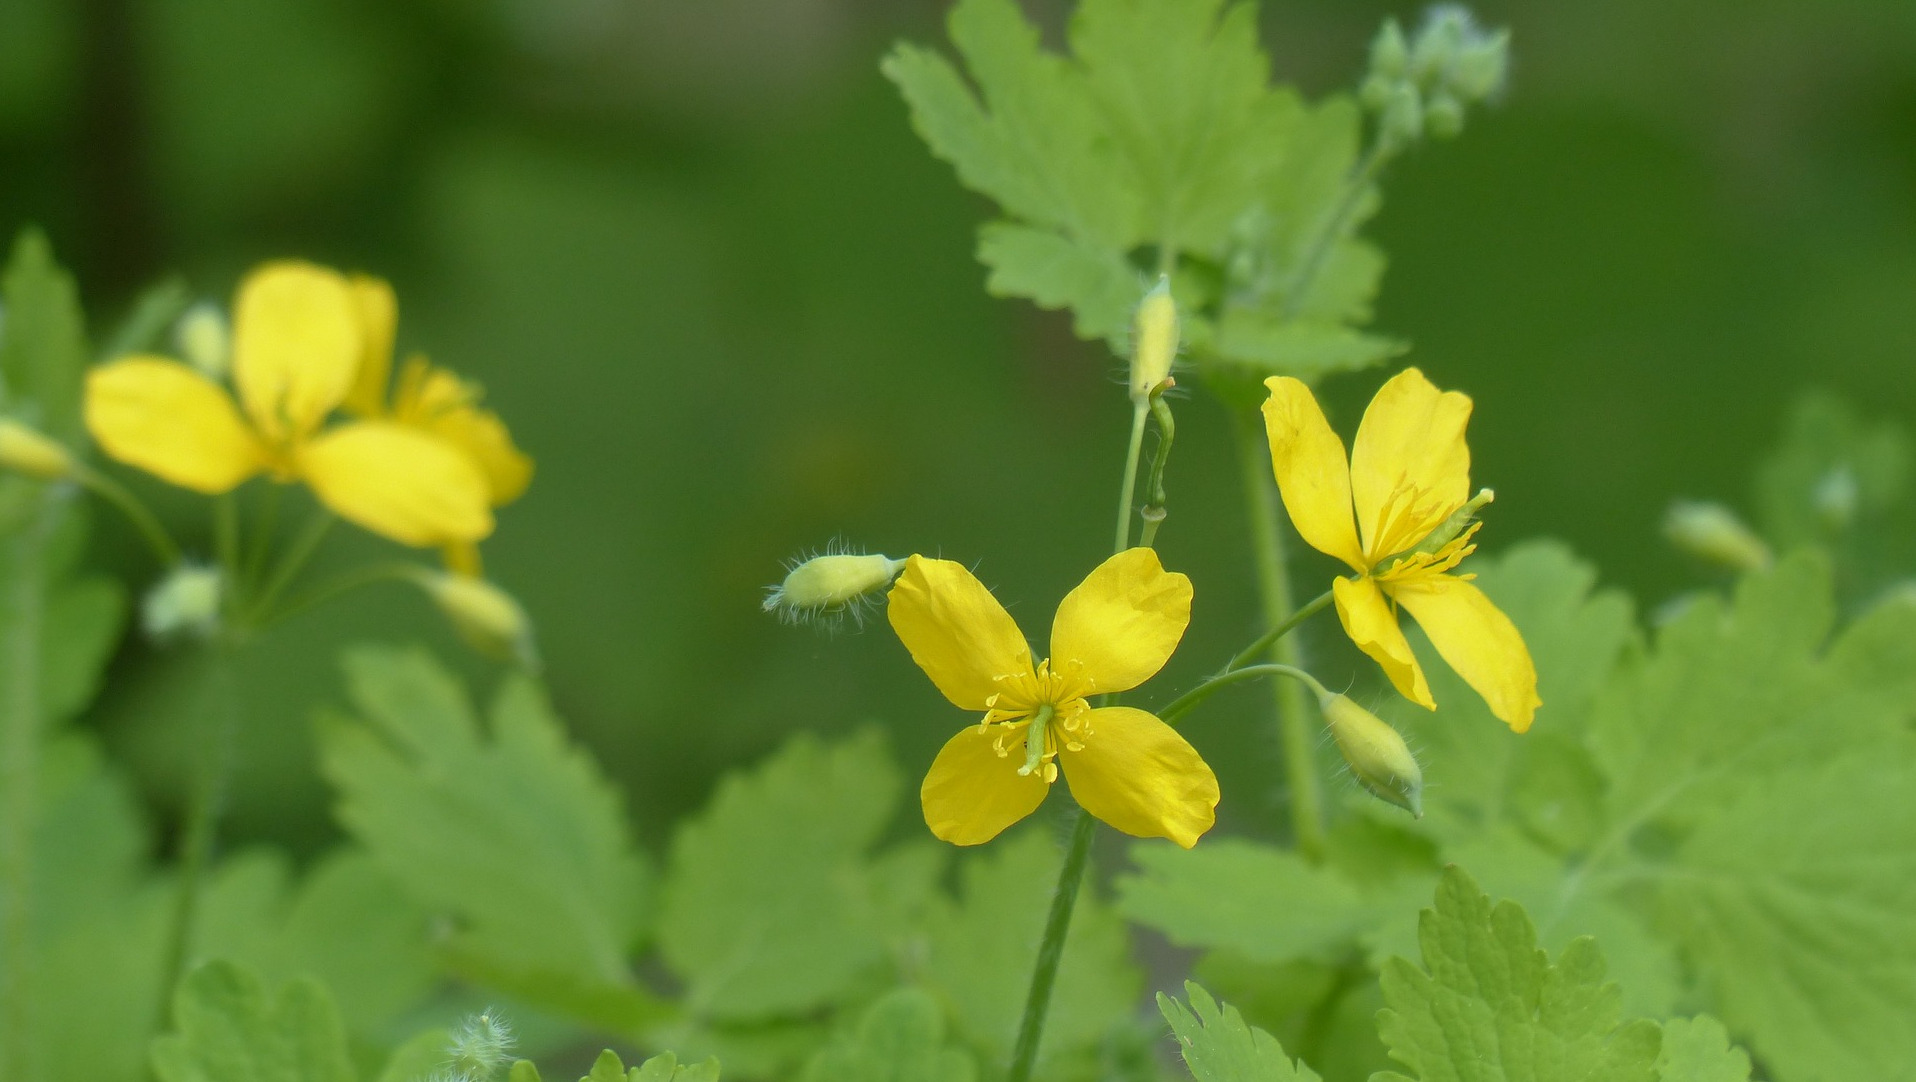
(1711, 532)
(1389, 52)
(186, 603)
(1154, 341)
(486, 617)
(1378, 757)
(25, 450)
(831, 586)
(204, 339)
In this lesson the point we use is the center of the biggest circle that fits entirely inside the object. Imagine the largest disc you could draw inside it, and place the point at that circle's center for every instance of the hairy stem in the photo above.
(1274, 593)
(1184, 703)
(1128, 494)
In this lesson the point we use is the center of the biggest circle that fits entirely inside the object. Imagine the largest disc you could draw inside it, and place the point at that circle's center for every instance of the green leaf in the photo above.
(421, 1056)
(1159, 141)
(509, 829)
(1698, 1050)
(44, 348)
(1219, 1047)
(900, 1038)
(229, 1029)
(1488, 1004)
(769, 907)
(980, 949)
(664, 1067)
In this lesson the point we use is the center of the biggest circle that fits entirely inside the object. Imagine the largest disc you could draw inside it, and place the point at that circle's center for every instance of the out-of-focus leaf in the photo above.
(228, 1028)
(43, 344)
(509, 830)
(900, 1038)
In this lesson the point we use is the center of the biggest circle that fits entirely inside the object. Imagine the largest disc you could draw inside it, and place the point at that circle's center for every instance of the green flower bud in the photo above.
(1402, 120)
(479, 1047)
(1389, 52)
(487, 618)
(204, 340)
(1375, 92)
(1479, 68)
(184, 604)
(1711, 532)
(1378, 757)
(26, 450)
(1154, 341)
(1835, 498)
(1443, 116)
(1439, 40)
(829, 587)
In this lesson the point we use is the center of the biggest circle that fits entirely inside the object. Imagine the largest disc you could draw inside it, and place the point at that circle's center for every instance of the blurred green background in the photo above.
(727, 300)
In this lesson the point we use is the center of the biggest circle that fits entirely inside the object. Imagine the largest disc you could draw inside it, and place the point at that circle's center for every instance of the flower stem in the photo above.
(1185, 702)
(1154, 497)
(22, 611)
(165, 549)
(1024, 1054)
(290, 564)
(1263, 642)
(1129, 491)
(220, 731)
(1274, 591)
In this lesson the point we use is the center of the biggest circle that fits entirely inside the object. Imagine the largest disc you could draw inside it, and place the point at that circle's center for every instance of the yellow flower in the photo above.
(1409, 471)
(298, 338)
(433, 400)
(1112, 633)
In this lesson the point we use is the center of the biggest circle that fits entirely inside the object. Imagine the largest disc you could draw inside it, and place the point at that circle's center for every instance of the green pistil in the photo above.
(1034, 740)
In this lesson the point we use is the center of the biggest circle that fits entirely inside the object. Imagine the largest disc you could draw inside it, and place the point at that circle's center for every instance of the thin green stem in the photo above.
(1024, 1054)
(145, 523)
(291, 564)
(1348, 201)
(1184, 703)
(1262, 644)
(22, 610)
(356, 579)
(219, 732)
(226, 538)
(1129, 492)
(1274, 592)
(1154, 497)
(262, 537)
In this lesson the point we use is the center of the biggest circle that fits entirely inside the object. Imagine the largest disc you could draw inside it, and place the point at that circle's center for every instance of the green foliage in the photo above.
(1696, 804)
(509, 830)
(229, 1028)
(1159, 142)
(660, 1068)
(770, 907)
(1218, 1046)
(45, 345)
(1489, 1004)
(900, 1038)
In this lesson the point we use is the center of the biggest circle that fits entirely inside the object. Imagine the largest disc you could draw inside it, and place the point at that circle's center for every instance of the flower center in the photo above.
(1049, 706)
(1407, 516)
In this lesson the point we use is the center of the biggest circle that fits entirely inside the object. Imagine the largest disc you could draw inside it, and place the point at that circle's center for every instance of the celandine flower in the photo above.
(1112, 633)
(433, 400)
(298, 341)
(1409, 472)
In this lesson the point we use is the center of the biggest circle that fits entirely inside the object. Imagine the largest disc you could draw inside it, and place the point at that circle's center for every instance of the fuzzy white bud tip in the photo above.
(184, 603)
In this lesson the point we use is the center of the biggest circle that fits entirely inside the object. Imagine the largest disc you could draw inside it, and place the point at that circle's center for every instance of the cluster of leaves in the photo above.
(1160, 145)
(1727, 808)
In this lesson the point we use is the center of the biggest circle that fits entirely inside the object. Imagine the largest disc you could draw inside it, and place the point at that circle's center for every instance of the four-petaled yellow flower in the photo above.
(433, 400)
(1409, 471)
(1112, 633)
(300, 334)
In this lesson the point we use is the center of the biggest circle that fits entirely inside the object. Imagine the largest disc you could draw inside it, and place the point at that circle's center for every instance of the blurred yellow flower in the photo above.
(1408, 473)
(1112, 633)
(299, 337)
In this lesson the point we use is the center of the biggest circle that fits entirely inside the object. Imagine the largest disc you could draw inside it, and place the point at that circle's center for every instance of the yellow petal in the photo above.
(1410, 466)
(296, 346)
(378, 325)
(483, 437)
(1137, 774)
(172, 422)
(1312, 475)
(1118, 628)
(1371, 624)
(398, 482)
(956, 631)
(971, 793)
(1478, 640)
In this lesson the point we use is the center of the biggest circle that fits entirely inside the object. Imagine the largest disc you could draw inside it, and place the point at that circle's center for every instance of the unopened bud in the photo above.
(204, 340)
(1378, 757)
(1712, 532)
(479, 1046)
(483, 615)
(184, 604)
(26, 450)
(1154, 341)
(1443, 116)
(1457, 523)
(1835, 498)
(1402, 120)
(1479, 68)
(1445, 31)
(1389, 52)
(826, 588)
